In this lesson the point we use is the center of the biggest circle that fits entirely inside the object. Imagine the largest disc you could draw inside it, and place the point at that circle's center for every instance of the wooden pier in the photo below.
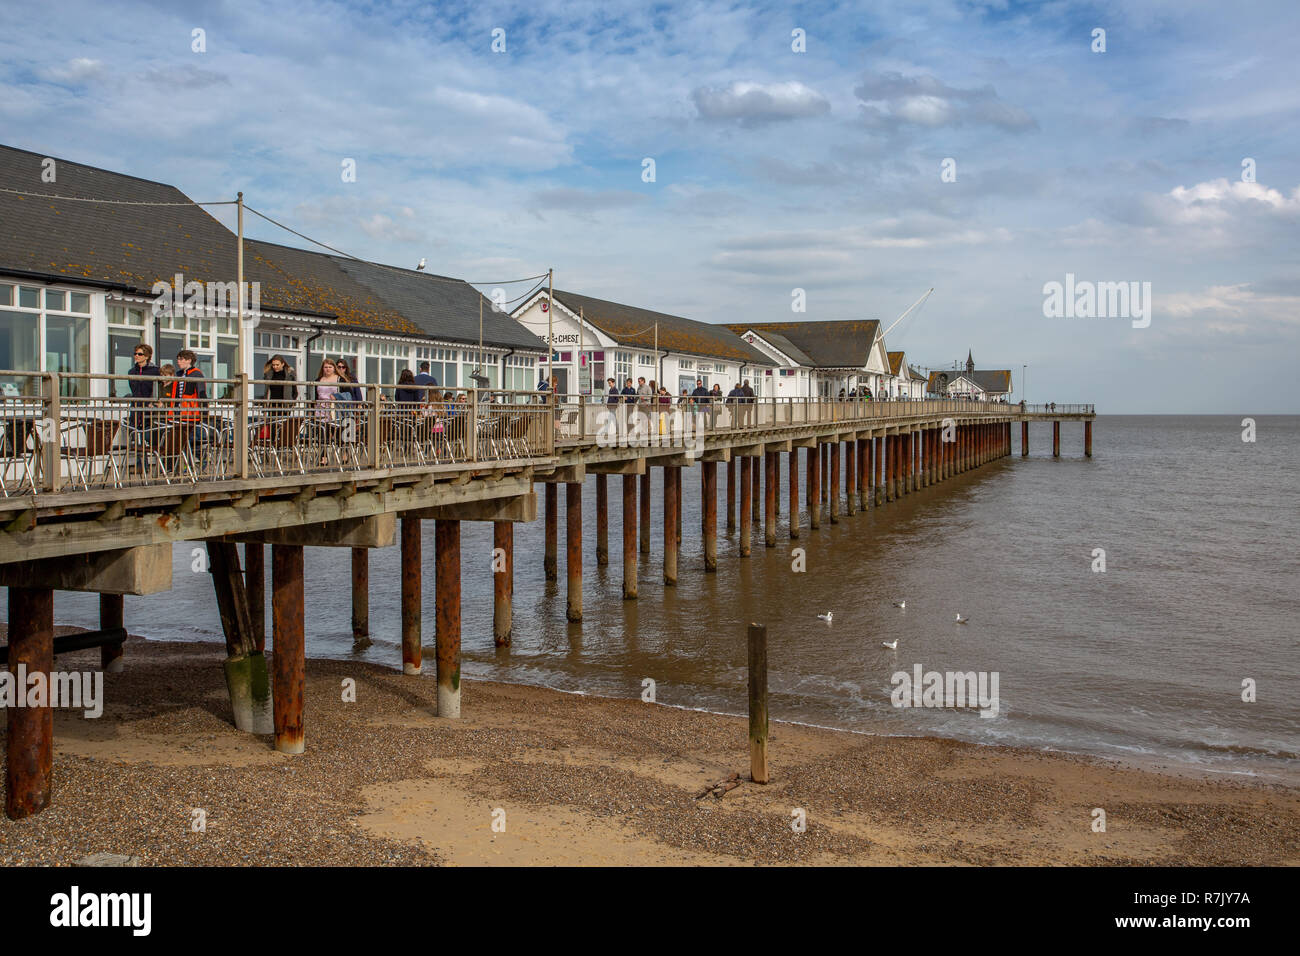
(78, 510)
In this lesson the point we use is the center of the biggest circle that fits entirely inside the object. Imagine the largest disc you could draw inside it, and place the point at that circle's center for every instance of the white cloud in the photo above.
(751, 104)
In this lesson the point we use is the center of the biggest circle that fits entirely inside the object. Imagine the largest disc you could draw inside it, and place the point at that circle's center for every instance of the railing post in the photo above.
(241, 427)
(471, 427)
(49, 434)
(373, 422)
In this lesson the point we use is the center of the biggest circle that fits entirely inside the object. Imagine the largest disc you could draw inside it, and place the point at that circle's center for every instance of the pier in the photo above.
(95, 490)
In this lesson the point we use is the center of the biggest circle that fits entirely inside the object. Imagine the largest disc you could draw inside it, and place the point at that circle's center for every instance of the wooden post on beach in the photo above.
(29, 736)
(360, 596)
(412, 597)
(769, 498)
(446, 584)
(758, 724)
(709, 518)
(671, 505)
(573, 547)
(245, 666)
(645, 511)
(288, 646)
(112, 614)
(746, 503)
(255, 587)
(550, 557)
(1056, 439)
(503, 584)
(629, 538)
(1087, 439)
(602, 521)
(793, 491)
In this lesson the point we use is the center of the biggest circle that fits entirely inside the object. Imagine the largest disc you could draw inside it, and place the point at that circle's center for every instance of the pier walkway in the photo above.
(96, 486)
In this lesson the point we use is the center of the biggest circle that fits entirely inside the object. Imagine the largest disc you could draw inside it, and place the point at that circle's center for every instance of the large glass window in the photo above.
(67, 349)
(19, 352)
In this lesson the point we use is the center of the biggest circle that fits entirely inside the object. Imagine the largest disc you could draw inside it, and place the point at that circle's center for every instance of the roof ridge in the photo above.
(97, 169)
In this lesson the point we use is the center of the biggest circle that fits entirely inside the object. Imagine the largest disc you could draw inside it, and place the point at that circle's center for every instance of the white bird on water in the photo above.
(892, 645)
(826, 617)
(420, 267)
(962, 620)
(902, 604)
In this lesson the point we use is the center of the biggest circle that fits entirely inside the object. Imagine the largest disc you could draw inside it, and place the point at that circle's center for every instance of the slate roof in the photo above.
(845, 344)
(989, 380)
(784, 345)
(627, 324)
(131, 247)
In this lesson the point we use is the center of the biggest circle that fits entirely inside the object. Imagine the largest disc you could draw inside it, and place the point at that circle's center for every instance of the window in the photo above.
(685, 364)
(622, 366)
(19, 352)
(519, 373)
(645, 359)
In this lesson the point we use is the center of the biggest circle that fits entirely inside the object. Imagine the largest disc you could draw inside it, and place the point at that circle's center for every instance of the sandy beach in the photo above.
(581, 781)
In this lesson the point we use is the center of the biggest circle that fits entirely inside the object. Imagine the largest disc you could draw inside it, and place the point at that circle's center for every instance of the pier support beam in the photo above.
(677, 480)
(29, 736)
(112, 615)
(1024, 439)
(769, 498)
(807, 475)
(851, 477)
(864, 469)
(288, 641)
(825, 483)
(645, 512)
(815, 486)
(833, 450)
(360, 595)
(551, 557)
(412, 598)
(1087, 439)
(878, 494)
(732, 467)
(756, 496)
(629, 538)
(573, 547)
(602, 521)
(255, 587)
(891, 467)
(671, 504)
(1056, 439)
(793, 491)
(446, 584)
(503, 582)
(907, 462)
(709, 513)
(746, 503)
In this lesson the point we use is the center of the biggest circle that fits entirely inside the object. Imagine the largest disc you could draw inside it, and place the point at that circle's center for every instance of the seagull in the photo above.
(826, 617)
(962, 620)
(420, 267)
(902, 604)
(892, 645)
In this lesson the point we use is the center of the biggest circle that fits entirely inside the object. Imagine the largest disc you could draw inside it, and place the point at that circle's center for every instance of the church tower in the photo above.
(970, 361)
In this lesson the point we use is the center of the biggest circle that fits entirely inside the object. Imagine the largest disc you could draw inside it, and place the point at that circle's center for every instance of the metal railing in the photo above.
(1052, 408)
(78, 432)
(583, 419)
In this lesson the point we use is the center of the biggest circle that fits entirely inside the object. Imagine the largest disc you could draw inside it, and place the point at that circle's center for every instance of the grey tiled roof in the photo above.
(845, 344)
(627, 324)
(783, 345)
(990, 380)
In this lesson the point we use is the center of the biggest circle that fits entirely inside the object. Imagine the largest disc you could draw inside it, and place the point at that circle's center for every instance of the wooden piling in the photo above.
(825, 468)
(709, 513)
(245, 666)
(677, 481)
(288, 646)
(850, 477)
(864, 473)
(793, 491)
(629, 538)
(758, 722)
(808, 460)
(1056, 439)
(732, 467)
(602, 521)
(29, 736)
(446, 584)
(671, 505)
(1087, 439)
(255, 588)
(645, 511)
(412, 598)
(756, 491)
(833, 450)
(112, 614)
(503, 583)
(746, 504)
(815, 486)
(551, 557)
(769, 498)
(360, 596)
(573, 547)
(878, 495)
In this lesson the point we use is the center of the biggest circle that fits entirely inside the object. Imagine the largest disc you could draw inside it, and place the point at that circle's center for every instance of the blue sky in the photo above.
(775, 170)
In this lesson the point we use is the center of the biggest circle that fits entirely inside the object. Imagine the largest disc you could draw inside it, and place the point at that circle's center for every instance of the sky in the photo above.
(861, 153)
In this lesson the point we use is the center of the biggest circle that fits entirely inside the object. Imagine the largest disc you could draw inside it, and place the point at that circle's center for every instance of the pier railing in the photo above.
(582, 419)
(77, 432)
(1052, 408)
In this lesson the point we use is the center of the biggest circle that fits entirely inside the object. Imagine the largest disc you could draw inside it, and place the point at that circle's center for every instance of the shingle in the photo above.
(845, 344)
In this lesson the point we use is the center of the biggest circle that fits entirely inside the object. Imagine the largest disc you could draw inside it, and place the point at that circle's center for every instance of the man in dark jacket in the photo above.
(629, 393)
(614, 397)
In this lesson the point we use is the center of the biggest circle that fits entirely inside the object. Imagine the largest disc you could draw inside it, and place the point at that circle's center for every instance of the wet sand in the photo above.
(583, 780)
